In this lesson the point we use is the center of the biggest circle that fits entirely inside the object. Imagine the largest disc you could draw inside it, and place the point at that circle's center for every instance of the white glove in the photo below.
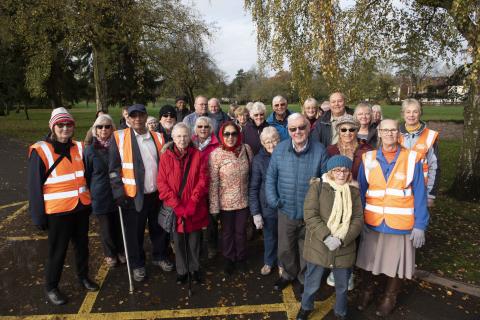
(332, 242)
(258, 221)
(418, 238)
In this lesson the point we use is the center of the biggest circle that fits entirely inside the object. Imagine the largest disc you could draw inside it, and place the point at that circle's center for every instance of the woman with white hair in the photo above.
(182, 183)
(264, 217)
(377, 115)
(254, 127)
(367, 132)
(152, 123)
(98, 181)
(311, 110)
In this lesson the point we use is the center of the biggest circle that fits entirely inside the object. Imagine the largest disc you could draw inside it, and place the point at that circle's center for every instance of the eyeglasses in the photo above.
(106, 126)
(294, 129)
(258, 115)
(269, 142)
(283, 104)
(232, 134)
(203, 127)
(392, 131)
(168, 115)
(67, 125)
(339, 171)
(348, 129)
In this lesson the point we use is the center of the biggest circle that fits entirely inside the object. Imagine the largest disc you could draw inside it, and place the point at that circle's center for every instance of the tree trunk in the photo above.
(466, 185)
(100, 79)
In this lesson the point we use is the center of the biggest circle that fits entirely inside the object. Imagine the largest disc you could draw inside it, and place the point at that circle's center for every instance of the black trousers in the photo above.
(111, 234)
(135, 223)
(62, 229)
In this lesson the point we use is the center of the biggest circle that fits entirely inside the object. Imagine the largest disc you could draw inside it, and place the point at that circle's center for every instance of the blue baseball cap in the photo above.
(137, 107)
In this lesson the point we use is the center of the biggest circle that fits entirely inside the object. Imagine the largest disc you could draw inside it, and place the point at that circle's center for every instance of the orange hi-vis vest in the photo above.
(390, 200)
(124, 143)
(66, 185)
(424, 142)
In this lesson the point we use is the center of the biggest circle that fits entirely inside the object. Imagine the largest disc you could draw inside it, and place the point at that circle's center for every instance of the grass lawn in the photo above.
(452, 244)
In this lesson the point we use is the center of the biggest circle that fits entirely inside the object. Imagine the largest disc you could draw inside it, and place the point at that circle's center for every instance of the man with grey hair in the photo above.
(216, 114)
(294, 162)
(324, 128)
(278, 118)
(201, 109)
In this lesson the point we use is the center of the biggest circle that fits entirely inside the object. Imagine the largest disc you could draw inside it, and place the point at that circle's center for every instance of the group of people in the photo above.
(343, 187)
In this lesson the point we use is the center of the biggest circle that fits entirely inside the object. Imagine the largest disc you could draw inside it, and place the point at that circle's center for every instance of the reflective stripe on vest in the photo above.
(66, 184)
(391, 201)
(124, 143)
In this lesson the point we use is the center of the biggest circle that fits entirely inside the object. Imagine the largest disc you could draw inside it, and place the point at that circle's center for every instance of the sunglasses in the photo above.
(280, 104)
(232, 134)
(203, 127)
(294, 129)
(105, 126)
(168, 115)
(67, 125)
(258, 115)
(348, 129)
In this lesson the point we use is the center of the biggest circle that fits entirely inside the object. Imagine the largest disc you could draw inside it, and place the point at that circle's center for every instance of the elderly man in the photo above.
(216, 114)
(201, 104)
(167, 117)
(278, 118)
(133, 166)
(293, 164)
(324, 128)
(182, 109)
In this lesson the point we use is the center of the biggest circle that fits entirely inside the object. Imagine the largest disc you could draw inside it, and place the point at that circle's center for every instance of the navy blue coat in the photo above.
(98, 181)
(256, 190)
(289, 174)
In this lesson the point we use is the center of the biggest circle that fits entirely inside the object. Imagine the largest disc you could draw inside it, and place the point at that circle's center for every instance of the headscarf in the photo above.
(238, 145)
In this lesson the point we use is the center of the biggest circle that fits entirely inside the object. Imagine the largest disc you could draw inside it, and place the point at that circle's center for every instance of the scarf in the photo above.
(339, 221)
(237, 148)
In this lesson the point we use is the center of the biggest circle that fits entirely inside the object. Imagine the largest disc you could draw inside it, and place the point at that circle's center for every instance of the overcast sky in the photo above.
(234, 44)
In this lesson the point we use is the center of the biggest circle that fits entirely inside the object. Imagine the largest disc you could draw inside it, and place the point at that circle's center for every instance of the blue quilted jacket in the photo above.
(289, 174)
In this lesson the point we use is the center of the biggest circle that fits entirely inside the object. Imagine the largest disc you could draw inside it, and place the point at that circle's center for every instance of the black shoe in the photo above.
(281, 284)
(56, 297)
(196, 277)
(229, 267)
(242, 266)
(181, 278)
(89, 284)
(303, 314)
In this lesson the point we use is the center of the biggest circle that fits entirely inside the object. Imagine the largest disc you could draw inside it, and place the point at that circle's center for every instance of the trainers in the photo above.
(351, 284)
(139, 274)
(331, 280)
(266, 270)
(166, 265)
(111, 261)
(122, 259)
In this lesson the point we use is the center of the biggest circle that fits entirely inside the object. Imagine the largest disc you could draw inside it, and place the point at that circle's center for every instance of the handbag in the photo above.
(166, 216)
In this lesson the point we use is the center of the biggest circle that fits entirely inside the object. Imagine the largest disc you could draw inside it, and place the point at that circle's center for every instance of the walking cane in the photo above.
(185, 241)
(126, 250)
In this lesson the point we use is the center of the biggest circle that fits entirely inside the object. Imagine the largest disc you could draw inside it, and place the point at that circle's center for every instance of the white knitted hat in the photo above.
(60, 115)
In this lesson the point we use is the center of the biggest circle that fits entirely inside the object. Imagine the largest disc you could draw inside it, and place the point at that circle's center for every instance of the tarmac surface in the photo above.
(241, 296)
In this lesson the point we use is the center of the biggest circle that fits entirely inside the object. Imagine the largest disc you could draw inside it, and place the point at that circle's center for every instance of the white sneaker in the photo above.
(266, 270)
(351, 284)
(331, 280)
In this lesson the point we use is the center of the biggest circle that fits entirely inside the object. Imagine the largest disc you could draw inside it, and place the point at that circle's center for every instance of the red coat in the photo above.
(208, 149)
(170, 175)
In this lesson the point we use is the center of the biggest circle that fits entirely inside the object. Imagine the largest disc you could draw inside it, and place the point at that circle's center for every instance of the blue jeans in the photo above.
(270, 239)
(313, 276)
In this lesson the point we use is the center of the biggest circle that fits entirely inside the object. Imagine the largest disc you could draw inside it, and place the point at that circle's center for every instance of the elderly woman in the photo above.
(333, 219)
(205, 140)
(367, 133)
(254, 127)
(377, 115)
(152, 123)
(182, 183)
(347, 144)
(311, 110)
(394, 198)
(98, 181)
(59, 201)
(264, 217)
(229, 172)
(415, 135)
(241, 117)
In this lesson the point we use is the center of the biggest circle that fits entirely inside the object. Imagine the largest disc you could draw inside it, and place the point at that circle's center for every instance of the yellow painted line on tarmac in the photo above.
(37, 237)
(321, 308)
(91, 297)
(12, 204)
(12, 216)
(290, 302)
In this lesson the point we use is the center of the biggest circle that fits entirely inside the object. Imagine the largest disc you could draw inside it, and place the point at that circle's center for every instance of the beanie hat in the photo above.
(60, 115)
(339, 161)
(180, 98)
(347, 119)
(166, 109)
